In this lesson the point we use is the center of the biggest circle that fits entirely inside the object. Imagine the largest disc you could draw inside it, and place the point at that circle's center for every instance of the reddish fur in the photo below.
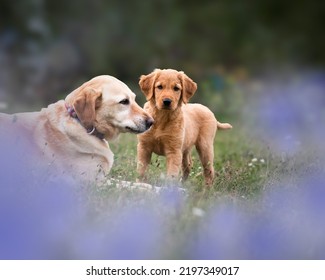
(177, 129)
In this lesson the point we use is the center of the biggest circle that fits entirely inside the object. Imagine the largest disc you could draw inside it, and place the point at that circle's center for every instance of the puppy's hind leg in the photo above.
(206, 154)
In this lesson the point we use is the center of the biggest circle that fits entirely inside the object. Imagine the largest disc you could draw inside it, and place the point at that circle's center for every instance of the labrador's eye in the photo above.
(176, 88)
(125, 101)
(160, 87)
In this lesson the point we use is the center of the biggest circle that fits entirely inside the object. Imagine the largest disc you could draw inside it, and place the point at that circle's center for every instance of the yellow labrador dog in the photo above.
(71, 135)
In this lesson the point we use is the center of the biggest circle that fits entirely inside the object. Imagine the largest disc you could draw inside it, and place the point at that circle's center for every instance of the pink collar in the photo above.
(71, 111)
(91, 131)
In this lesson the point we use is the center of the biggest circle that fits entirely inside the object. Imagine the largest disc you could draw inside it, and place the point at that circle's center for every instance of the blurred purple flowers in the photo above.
(291, 110)
(286, 224)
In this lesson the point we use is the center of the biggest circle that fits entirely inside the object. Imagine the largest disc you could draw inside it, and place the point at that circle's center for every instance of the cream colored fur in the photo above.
(62, 142)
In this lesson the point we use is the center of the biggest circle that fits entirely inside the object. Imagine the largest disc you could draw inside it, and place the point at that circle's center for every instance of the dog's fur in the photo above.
(77, 144)
(178, 126)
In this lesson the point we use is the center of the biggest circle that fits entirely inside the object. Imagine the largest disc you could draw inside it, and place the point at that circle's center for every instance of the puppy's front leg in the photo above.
(174, 163)
(144, 157)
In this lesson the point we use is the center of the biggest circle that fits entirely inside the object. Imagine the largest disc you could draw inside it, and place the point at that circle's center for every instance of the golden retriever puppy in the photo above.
(178, 125)
(70, 136)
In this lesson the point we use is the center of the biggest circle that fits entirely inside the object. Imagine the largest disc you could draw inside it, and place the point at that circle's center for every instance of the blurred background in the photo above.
(48, 48)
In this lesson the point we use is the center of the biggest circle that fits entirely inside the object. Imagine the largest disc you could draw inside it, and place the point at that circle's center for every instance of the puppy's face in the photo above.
(108, 104)
(167, 88)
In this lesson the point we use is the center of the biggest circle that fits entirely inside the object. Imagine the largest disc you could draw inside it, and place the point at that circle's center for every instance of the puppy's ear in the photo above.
(189, 87)
(85, 104)
(147, 83)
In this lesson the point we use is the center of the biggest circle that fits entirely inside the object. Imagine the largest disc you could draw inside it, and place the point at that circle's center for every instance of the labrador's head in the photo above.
(167, 88)
(108, 105)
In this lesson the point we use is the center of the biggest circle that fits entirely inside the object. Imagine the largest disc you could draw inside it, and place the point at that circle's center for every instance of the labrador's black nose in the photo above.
(149, 122)
(167, 102)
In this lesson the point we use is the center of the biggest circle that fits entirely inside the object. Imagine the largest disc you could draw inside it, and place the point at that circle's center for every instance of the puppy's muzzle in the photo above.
(167, 102)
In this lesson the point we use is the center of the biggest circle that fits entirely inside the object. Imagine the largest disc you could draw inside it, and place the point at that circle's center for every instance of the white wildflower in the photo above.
(262, 160)
(198, 212)
(254, 159)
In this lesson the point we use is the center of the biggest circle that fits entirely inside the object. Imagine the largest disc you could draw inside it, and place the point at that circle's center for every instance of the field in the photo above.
(266, 202)
(241, 167)
(262, 204)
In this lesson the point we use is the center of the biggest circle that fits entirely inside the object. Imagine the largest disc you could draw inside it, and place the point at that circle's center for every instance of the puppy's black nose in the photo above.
(149, 123)
(167, 102)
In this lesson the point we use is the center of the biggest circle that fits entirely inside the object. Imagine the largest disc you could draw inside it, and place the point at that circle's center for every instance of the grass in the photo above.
(246, 169)
(242, 166)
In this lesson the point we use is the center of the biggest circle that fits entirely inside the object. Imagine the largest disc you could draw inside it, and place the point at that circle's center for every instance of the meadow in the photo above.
(267, 201)
(261, 206)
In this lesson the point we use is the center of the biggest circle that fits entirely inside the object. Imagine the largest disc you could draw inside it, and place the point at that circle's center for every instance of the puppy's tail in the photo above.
(223, 126)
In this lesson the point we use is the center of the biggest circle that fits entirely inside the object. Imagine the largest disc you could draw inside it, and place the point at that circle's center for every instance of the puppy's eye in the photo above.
(160, 87)
(125, 101)
(176, 88)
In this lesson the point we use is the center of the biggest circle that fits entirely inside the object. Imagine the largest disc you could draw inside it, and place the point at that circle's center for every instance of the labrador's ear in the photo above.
(189, 87)
(147, 83)
(85, 104)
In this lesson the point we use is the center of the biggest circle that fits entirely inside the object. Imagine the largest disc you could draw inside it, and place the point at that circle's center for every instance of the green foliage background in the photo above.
(67, 42)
